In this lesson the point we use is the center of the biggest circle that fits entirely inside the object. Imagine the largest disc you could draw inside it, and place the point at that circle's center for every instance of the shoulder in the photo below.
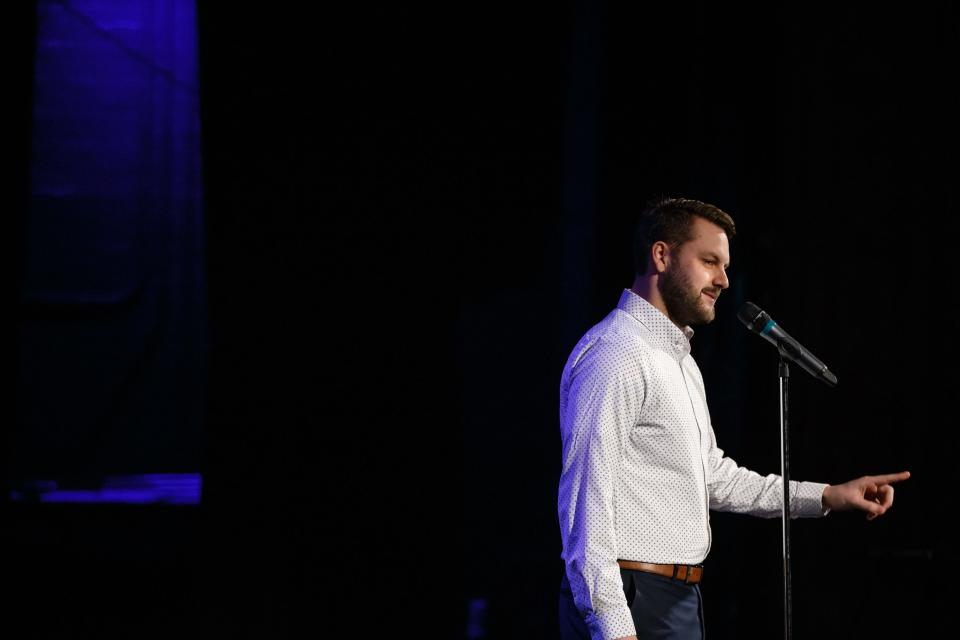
(616, 345)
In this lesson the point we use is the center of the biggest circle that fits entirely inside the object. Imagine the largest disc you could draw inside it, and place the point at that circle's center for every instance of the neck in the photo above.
(645, 286)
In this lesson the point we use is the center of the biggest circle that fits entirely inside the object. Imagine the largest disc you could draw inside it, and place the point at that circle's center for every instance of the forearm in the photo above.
(741, 490)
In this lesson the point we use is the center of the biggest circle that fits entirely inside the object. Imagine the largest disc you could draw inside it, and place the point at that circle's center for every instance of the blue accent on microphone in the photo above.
(770, 325)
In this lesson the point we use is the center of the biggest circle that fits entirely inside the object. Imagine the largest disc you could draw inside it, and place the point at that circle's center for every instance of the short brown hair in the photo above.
(670, 220)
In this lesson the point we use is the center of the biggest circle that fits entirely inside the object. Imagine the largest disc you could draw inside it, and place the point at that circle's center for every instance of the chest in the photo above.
(674, 416)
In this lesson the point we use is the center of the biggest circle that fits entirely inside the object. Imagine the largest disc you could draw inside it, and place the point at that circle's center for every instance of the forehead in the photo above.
(707, 236)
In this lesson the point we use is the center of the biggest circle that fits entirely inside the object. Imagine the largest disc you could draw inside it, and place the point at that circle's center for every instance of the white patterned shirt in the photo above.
(641, 466)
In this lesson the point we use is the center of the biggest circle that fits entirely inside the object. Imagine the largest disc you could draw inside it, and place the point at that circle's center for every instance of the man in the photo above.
(641, 466)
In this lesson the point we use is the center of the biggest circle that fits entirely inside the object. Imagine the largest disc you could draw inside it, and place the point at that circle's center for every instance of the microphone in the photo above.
(759, 321)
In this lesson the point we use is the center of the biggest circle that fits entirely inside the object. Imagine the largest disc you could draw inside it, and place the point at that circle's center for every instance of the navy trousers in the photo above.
(662, 608)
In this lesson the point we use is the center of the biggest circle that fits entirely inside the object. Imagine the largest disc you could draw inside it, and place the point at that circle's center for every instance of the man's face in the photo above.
(696, 274)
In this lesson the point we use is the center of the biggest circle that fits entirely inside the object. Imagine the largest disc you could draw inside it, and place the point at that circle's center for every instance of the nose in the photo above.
(721, 279)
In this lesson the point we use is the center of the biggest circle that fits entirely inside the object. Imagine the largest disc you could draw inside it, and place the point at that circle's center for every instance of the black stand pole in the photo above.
(785, 473)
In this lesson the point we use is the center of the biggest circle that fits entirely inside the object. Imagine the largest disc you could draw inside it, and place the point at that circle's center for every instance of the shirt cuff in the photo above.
(616, 623)
(807, 499)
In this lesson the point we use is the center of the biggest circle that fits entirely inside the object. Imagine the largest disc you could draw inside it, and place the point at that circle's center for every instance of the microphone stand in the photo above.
(785, 473)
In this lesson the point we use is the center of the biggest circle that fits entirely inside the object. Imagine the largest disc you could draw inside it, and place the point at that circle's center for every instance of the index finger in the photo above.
(890, 478)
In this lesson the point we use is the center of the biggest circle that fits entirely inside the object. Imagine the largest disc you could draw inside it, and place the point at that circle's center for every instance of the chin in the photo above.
(704, 318)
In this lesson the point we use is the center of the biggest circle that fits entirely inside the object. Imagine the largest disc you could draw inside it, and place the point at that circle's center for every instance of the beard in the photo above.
(683, 300)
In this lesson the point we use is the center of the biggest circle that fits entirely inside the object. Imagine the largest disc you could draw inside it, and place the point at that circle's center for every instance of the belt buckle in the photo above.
(690, 568)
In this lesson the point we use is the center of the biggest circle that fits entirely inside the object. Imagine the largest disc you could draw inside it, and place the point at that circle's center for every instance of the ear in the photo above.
(660, 256)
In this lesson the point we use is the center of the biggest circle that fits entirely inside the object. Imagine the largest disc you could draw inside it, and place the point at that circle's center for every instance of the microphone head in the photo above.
(752, 316)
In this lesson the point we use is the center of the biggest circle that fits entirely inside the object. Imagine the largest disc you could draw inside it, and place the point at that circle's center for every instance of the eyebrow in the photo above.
(716, 257)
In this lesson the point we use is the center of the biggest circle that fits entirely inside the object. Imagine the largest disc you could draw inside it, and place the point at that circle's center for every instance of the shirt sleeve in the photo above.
(603, 401)
(738, 489)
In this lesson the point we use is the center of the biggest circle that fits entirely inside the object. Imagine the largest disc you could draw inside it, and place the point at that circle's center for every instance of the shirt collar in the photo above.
(660, 325)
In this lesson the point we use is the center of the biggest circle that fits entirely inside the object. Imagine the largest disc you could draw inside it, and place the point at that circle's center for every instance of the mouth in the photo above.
(712, 295)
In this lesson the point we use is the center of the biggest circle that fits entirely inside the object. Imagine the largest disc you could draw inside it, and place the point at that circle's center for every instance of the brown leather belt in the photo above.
(686, 573)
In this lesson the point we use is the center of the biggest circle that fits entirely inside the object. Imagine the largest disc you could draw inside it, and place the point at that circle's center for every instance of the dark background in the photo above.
(412, 215)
